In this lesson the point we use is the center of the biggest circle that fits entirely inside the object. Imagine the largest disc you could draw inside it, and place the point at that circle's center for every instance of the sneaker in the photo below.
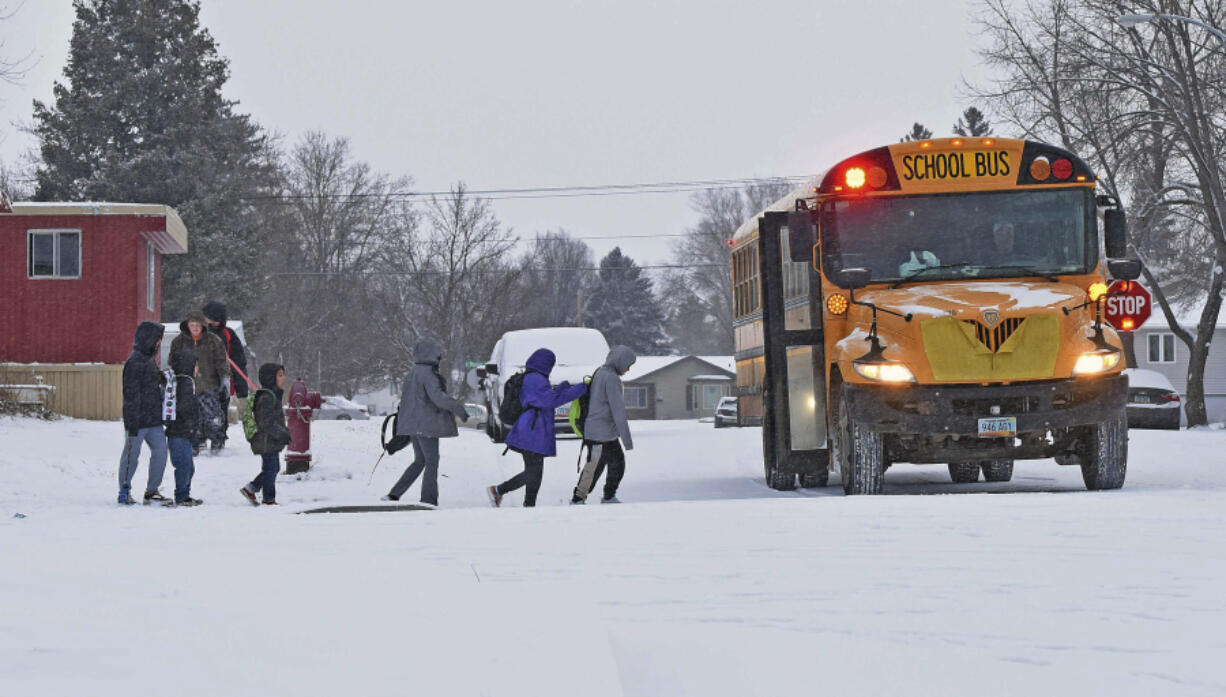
(611, 499)
(249, 495)
(126, 501)
(151, 496)
(189, 501)
(495, 497)
(389, 497)
(578, 502)
(271, 503)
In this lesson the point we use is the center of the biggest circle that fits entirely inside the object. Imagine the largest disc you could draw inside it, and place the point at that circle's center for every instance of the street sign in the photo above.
(469, 365)
(1127, 305)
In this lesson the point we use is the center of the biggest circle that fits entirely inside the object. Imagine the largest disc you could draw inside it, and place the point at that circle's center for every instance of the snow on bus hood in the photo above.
(971, 298)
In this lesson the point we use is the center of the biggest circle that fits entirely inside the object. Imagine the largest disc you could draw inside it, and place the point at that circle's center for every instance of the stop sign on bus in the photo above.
(1127, 305)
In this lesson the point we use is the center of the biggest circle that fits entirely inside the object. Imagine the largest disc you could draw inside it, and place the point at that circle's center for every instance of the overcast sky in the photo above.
(534, 93)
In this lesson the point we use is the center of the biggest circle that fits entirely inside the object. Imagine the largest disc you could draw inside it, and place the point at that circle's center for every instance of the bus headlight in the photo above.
(1096, 362)
(884, 372)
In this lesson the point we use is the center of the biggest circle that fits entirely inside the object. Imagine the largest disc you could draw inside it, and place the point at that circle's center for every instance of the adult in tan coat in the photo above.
(212, 376)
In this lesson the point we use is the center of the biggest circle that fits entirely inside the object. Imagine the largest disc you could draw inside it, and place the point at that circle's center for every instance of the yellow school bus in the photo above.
(934, 302)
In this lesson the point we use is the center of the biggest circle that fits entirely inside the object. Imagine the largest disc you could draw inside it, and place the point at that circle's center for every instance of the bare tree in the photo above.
(704, 254)
(559, 271)
(11, 69)
(1146, 106)
(338, 217)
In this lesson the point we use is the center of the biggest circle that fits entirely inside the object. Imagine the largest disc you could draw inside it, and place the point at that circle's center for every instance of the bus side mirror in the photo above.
(1124, 269)
(491, 368)
(1115, 234)
(854, 279)
(801, 236)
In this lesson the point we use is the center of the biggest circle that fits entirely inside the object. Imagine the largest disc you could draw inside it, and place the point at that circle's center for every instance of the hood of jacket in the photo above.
(268, 376)
(194, 316)
(620, 358)
(215, 311)
(427, 351)
(541, 361)
(148, 334)
(183, 362)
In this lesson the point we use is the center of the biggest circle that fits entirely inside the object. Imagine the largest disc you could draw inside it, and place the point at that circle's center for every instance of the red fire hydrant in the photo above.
(302, 403)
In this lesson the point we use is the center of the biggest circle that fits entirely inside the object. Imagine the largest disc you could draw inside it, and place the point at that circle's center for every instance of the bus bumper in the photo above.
(955, 410)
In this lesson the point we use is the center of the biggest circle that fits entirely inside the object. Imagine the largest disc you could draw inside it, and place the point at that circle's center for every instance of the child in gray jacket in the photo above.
(605, 423)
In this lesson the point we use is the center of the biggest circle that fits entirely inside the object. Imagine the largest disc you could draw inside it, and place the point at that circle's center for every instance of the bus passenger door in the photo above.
(794, 438)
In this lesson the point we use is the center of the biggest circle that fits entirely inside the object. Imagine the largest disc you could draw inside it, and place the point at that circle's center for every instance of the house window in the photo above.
(54, 254)
(1161, 347)
(635, 397)
(150, 265)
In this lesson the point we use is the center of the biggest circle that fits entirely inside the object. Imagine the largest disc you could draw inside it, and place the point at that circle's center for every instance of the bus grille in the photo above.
(995, 337)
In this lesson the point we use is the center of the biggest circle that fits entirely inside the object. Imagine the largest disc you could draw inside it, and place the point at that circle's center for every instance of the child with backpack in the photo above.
(181, 413)
(533, 434)
(603, 422)
(264, 426)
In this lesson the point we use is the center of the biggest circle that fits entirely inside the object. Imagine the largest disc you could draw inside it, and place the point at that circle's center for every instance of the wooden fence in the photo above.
(93, 391)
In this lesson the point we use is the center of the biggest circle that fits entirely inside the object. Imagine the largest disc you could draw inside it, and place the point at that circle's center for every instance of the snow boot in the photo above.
(495, 497)
(249, 495)
(126, 501)
(151, 496)
(611, 499)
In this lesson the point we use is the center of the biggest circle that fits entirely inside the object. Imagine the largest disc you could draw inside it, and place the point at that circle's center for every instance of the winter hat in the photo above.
(215, 311)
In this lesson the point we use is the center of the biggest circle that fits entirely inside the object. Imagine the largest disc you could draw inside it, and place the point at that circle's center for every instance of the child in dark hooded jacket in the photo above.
(181, 413)
(271, 435)
(534, 433)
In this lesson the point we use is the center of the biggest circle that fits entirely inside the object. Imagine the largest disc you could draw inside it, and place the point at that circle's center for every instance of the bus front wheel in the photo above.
(860, 451)
(1104, 460)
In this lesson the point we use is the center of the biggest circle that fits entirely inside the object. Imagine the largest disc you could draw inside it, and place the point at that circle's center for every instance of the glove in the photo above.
(564, 385)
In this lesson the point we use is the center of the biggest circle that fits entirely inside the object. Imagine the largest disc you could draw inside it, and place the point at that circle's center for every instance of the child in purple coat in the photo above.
(533, 434)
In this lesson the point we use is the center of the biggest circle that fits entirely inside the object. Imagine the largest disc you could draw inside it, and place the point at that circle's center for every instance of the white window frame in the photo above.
(150, 264)
(55, 254)
(1162, 357)
(634, 390)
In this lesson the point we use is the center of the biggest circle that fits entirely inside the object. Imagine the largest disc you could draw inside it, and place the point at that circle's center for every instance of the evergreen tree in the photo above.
(624, 307)
(140, 118)
(972, 124)
(918, 132)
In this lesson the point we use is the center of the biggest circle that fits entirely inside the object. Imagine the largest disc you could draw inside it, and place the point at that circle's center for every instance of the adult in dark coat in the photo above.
(533, 434)
(142, 413)
(215, 313)
(427, 413)
(212, 377)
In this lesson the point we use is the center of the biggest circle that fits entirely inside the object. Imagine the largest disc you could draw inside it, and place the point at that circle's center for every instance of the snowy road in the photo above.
(707, 584)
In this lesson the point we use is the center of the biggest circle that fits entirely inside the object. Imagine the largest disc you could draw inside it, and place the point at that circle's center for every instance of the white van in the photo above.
(580, 352)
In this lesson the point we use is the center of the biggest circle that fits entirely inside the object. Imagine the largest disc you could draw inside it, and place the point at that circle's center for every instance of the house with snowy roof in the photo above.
(77, 279)
(677, 387)
(1158, 349)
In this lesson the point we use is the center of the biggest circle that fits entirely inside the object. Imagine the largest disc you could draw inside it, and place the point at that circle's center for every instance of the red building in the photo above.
(77, 278)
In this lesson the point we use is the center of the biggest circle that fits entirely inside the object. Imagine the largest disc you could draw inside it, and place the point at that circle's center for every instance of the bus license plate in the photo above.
(997, 427)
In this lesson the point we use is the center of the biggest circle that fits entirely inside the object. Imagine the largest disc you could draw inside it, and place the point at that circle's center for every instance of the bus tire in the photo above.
(860, 452)
(964, 472)
(1104, 462)
(997, 470)
(779, 481)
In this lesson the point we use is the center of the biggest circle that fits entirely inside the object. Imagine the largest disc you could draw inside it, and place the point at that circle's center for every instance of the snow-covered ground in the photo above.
(704, 583)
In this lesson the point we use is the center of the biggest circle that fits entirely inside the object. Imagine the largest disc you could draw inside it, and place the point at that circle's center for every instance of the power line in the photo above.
(504, 194)
(490, 271)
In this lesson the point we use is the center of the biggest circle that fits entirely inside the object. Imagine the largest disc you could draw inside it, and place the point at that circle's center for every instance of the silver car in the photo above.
(337, 408)
(726, 412)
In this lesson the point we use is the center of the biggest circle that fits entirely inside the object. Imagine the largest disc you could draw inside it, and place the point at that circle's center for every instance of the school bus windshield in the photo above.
(961, 236)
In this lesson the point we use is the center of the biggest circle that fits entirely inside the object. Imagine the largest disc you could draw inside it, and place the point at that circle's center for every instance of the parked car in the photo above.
(579, 350)
(337, 408)
(478, 417)
(726, 412)
(1152, 400)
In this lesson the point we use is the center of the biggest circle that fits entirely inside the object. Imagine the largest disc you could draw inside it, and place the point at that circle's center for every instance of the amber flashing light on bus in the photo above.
(1062, 168)
(855, 178)
(1096, 291)
(1040, 169)
(987, 141)
(956, 142)
(925, 144)
(837, 304)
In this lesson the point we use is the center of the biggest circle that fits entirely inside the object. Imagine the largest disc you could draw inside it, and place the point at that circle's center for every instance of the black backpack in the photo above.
(512, 405)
